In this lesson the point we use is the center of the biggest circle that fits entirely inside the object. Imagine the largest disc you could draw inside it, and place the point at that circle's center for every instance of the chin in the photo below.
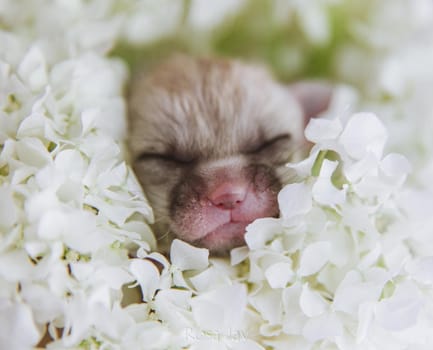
(224, 238)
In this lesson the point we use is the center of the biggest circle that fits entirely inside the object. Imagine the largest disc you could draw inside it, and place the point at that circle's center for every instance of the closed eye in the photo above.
(269, 144)
(180, 160)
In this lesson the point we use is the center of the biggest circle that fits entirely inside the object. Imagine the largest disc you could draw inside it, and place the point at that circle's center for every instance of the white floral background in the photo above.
(349, 265)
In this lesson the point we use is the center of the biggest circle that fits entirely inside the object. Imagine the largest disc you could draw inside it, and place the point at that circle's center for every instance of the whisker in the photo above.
(161, 236)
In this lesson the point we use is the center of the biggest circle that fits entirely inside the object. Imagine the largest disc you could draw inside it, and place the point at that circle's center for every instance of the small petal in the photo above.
(279, 274)
(294, 199)
(32, 151)
(18, 329)
(326, 326)
(401, 310)
(8, 208)
(314, 257)
(353, 291)
(221, 309)
(311, 302)
(237, 255)
(366, 317)
(324, 191)
(173, 307)
(422, 270)
(147, 276)
(187, 257)
(364, 133)
(321, 129)
(33, 69)
(262, 231)
(15, 266)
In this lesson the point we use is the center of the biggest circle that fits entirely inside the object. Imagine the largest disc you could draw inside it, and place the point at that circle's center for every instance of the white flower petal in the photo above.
(32, 126)
(354, 172)
(239, 343)
(211, 278)
(18, 330)
(114, 276)
(311, 302)
(15, 266)
(203, 16)
(8, 208)
(33, 69)
(304, 167)
(173, 306)
(294, 199)
(187, 257)
(321, 129)
(239, 254)
(70, 163)
(279, 274)
(353, 291)
(32, 151)
(401, 310)
(314, 257)
(314, 22)
(395, 165)
(261, 231)
(46, 306)
(324, 191)
(294, 317)
(363, 133)
(269, 304)
(422, 270)
(147, 276)
(365, 316)
(221, 309)
(326, 326)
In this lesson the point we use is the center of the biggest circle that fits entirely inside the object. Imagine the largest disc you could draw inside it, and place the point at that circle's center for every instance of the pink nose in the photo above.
(228, 195)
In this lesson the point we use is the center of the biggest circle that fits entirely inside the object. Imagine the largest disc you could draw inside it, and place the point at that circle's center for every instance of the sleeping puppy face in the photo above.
(209, 140)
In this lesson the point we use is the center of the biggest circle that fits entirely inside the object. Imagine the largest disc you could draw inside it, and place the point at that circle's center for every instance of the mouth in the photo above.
(224, 237)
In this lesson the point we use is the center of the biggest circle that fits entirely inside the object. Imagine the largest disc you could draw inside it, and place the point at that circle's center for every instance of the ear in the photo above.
(313, 96)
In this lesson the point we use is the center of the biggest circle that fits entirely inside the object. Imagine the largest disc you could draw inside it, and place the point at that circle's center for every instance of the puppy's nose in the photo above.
(228, 195)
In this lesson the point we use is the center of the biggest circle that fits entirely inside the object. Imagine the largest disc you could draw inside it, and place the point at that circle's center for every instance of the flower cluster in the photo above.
(349, 263)
(346, 266)
(70, 207)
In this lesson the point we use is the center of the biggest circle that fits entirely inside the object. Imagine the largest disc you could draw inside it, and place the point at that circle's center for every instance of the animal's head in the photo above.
(209, 140)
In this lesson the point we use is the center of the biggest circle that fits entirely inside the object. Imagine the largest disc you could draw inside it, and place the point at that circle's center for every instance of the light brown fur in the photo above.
(196, 121)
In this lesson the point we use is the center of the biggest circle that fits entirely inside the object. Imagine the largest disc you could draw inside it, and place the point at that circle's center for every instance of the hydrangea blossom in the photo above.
(335, 265)
(347, 265)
